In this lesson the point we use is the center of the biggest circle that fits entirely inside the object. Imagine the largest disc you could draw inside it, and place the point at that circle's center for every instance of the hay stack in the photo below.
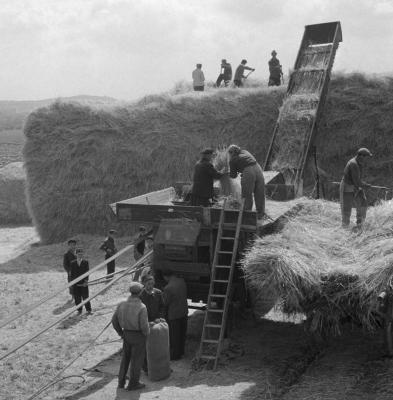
(79, 160)
(13, 208)
(323, 271)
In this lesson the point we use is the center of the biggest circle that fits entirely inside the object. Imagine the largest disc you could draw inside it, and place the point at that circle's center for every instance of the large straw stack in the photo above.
(78, 160)
(13, 208)
(317, 268)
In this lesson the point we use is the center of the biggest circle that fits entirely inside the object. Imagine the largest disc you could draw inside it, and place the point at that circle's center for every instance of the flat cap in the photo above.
(364, 152)
(112, 231)
(136, 287)
(207, 151)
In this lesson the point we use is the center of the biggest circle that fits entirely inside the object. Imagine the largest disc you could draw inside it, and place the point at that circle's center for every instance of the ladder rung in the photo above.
(210, 341)
(217, 310)
(218, 295)
(227, 238)
(221, 280)
(223, 266)
(207, 357)
(213, 326)
(225, 252)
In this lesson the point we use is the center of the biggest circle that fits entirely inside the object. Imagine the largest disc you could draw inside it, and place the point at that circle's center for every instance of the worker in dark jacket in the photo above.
(352, 189)
(108, 246)
(80, 266)
(131, 323)
(225, 74)
(152, 298)
(175, 300)
(204, 175)
(67, 259)
(252, 180)
(239, 74)
(275, 70)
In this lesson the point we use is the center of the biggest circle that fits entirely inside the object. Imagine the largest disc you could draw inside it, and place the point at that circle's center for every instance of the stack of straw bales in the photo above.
(13, 208)
(78, 160)
(317, 268)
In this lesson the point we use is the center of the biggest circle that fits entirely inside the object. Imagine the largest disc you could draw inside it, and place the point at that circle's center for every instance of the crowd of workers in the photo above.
(145, 307)
(225, 75)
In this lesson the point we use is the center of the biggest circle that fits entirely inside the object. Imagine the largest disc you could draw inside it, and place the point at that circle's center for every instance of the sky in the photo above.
(129, 48)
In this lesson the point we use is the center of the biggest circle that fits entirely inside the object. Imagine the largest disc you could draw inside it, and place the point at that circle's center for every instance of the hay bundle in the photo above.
(78, 159)
(228, 186)
(13, 208)
(319, 269)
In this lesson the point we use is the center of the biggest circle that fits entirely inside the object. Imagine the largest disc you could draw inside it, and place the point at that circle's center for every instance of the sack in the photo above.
(157, 349)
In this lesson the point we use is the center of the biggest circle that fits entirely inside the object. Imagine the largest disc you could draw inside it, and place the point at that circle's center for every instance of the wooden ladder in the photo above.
(222, 275)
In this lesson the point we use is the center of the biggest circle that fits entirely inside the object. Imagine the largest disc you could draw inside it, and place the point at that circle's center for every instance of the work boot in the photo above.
(136, 386)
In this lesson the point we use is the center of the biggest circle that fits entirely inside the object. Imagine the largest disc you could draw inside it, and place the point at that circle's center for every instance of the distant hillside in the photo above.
(14, 113)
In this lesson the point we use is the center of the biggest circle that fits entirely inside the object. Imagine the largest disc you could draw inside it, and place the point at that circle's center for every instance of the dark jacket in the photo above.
(239, 73)
(353, 174)
(240, 161)
(175, 298)
(275, 68)
(67, 259)
(109, 246)
(204, 175)
(78, 270)
(227, 71)
(154, 303)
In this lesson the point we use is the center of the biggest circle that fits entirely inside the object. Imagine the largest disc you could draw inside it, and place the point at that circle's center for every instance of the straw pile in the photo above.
(13, 208)
(319, 269)
(78, 159)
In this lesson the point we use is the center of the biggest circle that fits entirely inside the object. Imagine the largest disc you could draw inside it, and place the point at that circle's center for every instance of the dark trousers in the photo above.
(134, 348)
(274, 81)
(70, 289)
(199, 201)
(238, 82)
(220, 79)
(81, 292)
(177, 337)
(199, 88)
(110, 267)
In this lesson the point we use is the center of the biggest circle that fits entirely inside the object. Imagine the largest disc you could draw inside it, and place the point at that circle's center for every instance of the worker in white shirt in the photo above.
(198, 79)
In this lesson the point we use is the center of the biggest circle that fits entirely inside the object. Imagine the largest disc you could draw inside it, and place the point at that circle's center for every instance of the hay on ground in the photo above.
(317, 268)
(13, 208)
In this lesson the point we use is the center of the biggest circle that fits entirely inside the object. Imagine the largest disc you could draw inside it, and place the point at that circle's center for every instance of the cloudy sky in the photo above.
(128, 48)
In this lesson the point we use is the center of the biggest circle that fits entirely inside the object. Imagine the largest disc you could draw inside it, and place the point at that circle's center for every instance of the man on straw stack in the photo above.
(252, 180)
(204, 175)
(225, 74)
(275, 70)
(239, 73)
(131, 323)
(352, 189)
(198, 79)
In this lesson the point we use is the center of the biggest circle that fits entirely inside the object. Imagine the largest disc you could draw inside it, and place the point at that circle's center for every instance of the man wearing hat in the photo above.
(108, 246)
(198, 79)
(239, 73)
(252, 180)
(204, 175)
(352, 189)
(225, 74)
(131, 323)
(275, 70)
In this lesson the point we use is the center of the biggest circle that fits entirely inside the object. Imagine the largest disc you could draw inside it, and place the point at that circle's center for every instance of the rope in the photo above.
(57, 376)
(51, 296)
(35, 335)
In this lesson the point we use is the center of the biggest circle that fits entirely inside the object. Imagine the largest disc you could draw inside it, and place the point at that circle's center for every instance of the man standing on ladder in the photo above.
(252, 180)
(352, 189)
(239, 74)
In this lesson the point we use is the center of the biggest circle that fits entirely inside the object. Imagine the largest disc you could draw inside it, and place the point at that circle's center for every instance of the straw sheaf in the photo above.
(323, 271)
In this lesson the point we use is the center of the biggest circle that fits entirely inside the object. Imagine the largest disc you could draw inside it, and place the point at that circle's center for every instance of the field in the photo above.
(272, 359)
(11, 145)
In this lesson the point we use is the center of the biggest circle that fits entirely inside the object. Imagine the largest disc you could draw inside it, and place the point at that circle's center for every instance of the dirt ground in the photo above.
(271, 359)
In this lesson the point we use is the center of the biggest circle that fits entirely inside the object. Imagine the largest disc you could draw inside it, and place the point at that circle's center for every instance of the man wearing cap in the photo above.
(79, 267)
(275, 70)
(252, 180)
(225, 74)
(108, 246)
(352, 189)
(131, 323)
(239, 73)
(68, 257)
(204, 175)
(198, 79)
(175, 300)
